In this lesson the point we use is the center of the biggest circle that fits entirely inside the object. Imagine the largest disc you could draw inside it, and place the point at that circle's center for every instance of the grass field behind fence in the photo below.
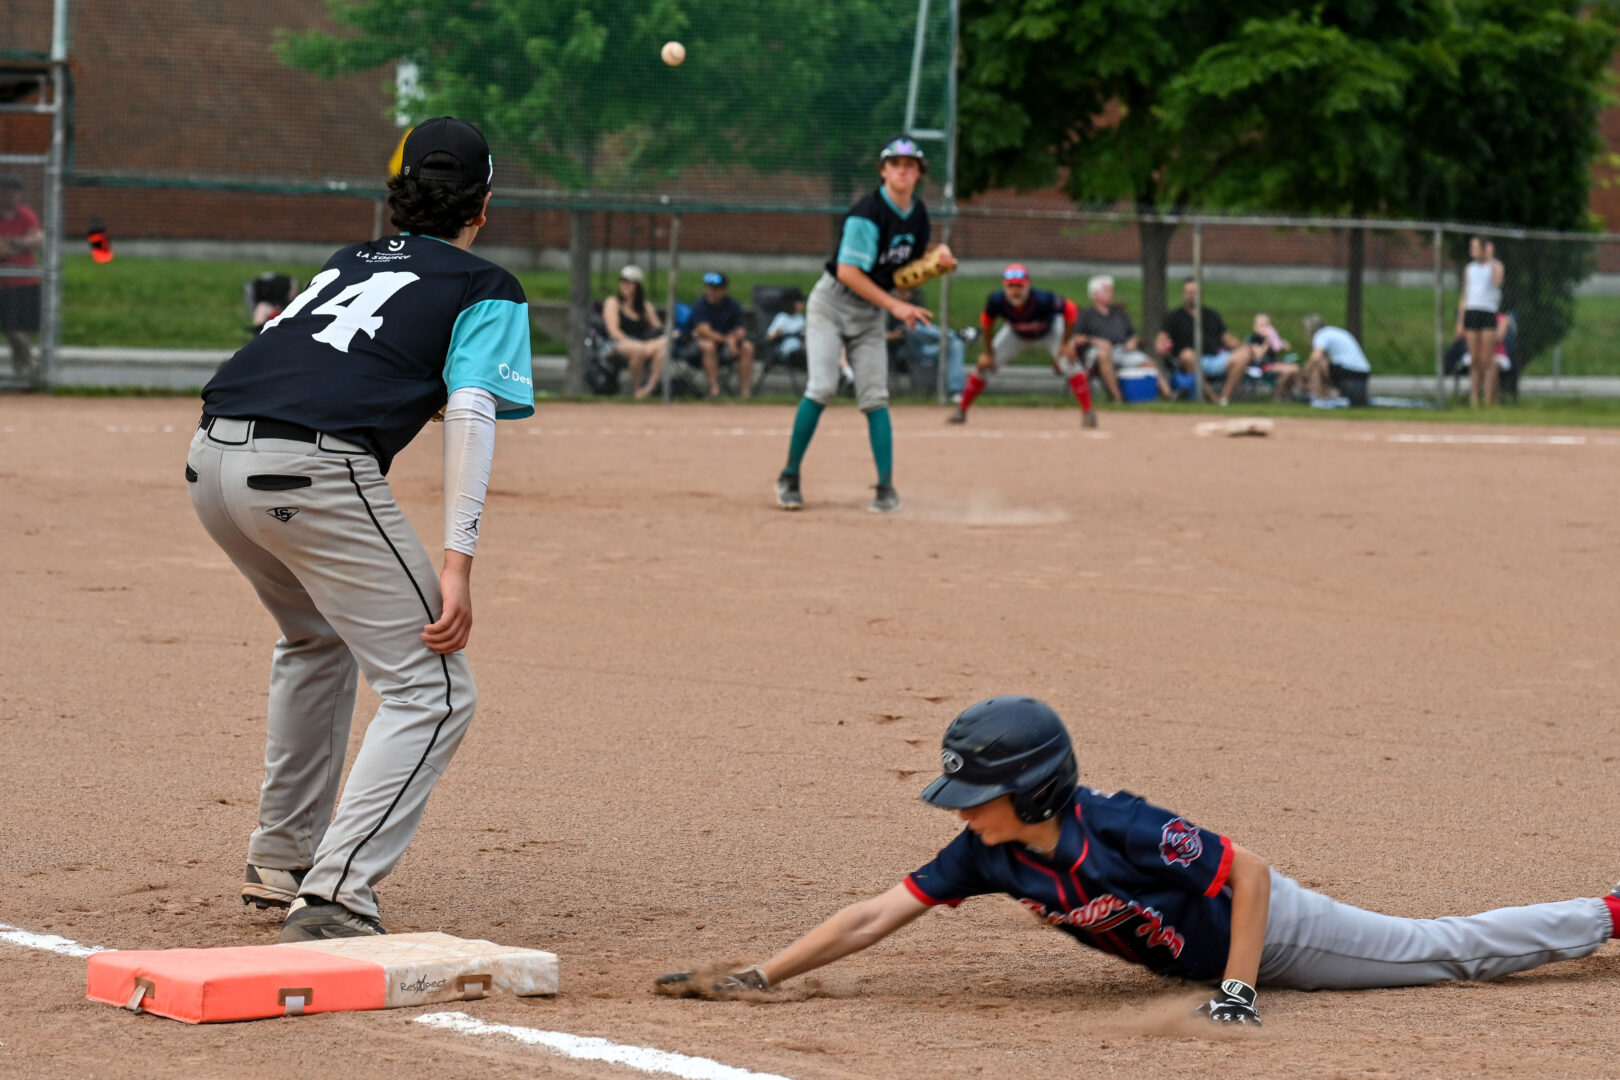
(173, 303)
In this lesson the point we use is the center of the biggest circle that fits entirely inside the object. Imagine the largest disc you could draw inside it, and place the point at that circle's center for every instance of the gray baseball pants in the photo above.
(1316, 943)
(836, 321)
(315, 530)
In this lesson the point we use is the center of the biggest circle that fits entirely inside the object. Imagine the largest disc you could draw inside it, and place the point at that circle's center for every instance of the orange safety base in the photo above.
(253, 982)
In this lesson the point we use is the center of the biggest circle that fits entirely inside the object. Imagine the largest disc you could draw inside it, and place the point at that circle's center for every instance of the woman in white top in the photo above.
(1476, 318)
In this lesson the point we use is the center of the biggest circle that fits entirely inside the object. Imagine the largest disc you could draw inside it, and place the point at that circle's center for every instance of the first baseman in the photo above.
(287, 473)
(1121, 875)
(883, 232)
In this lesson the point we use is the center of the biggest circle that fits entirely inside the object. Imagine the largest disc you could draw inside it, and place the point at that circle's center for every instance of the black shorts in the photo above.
(1351, 384)
(1479, 320)
(19, 309)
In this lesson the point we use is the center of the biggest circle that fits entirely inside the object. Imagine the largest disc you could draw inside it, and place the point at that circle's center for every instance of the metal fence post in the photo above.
(1199, 387)
(1439, 320)
(669, 310)
(50, 338)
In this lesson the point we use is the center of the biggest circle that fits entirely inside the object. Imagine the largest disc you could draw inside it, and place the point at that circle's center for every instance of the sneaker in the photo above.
(788, 496)
(318, 920)
(956, 399)
(267, 887)
(1088, 419)
(887, 500)
(1330, 403)
(958, 416)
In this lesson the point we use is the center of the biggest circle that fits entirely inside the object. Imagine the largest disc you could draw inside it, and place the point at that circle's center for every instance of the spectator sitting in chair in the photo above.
(1273, 356)
(20, 239)
(637, 335)
(787, 330)
(1105, 332)
(1336, 374)
(1224, 355)
(720, 328)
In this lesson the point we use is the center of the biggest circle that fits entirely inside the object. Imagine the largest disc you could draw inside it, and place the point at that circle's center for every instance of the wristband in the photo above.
(1239, 989)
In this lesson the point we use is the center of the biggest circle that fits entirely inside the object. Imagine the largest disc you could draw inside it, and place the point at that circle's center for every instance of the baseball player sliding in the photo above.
(1118, 874)
(883, 236)
(287, 473)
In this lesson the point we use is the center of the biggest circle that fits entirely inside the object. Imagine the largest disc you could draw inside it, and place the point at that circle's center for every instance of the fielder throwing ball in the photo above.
(884, 242)
(1030, 319)
(287, 473)
(1121, 875)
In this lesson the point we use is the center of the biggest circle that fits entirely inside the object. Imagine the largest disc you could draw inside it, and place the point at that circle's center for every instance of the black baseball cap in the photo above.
(447, 135)
(715, 277)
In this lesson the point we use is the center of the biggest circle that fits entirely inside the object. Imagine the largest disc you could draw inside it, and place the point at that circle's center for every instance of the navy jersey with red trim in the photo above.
(373, 347)
(1127, 877)
(1034, 318)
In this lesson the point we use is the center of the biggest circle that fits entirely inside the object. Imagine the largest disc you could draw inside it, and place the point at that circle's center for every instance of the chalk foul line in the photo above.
(46, 942)
(588, 1048)
(582, 1047)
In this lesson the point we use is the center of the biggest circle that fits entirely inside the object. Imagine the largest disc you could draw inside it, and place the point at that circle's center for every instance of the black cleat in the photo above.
(788, 496)
(887, 500)
(1088, 419)
(318, 920)
(958, 416)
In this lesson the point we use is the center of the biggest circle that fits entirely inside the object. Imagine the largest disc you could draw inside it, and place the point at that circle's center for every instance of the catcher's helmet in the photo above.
(1010, 745)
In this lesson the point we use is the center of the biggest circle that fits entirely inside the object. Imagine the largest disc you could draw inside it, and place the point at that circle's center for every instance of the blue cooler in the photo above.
(1138, 385)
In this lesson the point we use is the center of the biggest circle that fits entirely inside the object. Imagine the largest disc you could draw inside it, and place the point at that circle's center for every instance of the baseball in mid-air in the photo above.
(673, 53)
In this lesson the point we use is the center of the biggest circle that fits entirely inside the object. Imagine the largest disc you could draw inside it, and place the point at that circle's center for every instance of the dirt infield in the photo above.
(1382, 656)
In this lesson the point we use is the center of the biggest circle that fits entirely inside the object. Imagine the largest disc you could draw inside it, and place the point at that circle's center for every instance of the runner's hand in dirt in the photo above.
(716, 984)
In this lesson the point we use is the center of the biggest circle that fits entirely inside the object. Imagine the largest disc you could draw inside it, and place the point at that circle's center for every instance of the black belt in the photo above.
(270, 429)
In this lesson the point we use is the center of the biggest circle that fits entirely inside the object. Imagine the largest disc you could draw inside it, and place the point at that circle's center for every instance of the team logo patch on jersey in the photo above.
(1179, 843)
(282, 513)
(951, 760)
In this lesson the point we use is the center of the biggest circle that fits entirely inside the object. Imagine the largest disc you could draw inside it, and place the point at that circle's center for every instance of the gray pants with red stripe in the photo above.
(1316, 943)
(315, 530)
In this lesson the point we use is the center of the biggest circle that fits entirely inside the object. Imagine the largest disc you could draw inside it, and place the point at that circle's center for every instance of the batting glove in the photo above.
(1233, 1005)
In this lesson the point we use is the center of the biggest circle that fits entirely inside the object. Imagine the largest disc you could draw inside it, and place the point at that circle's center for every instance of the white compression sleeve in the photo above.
(469, 451)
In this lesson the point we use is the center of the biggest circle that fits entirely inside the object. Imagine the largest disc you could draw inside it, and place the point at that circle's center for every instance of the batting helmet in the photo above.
(1010, 745)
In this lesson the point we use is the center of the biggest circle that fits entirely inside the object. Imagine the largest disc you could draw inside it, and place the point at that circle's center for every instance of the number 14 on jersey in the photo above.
(353, 310)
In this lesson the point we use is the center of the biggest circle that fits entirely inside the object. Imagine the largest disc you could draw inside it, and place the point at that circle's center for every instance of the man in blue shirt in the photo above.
(1145, 884)
(1336, 373)
(720, 328)
(287, 473)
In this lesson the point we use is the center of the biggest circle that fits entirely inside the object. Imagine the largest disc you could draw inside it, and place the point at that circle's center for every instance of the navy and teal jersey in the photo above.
(879, 239)
(1034, 318)
(1127, 877)
(370, 351)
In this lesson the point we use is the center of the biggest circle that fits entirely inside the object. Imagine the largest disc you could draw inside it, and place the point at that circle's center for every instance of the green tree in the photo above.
(1311, 109)
(1053, 92)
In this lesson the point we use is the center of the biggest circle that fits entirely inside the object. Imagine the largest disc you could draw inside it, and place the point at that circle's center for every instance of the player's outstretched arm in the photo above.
(856, 927)
(850, 930)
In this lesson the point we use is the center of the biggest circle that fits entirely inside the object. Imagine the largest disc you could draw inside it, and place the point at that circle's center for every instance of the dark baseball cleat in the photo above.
(318, 920)
(958, 416)
(267, 887)
(1088, 419)
(788, 496)
(887, 500)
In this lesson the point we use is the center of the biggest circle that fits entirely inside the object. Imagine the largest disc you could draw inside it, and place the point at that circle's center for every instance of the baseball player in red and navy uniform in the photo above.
(1031, 319)
(1143, 883)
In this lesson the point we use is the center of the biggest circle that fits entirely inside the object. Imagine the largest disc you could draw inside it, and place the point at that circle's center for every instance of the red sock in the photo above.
(975, 383)
(1080, 383)
(1614, 913)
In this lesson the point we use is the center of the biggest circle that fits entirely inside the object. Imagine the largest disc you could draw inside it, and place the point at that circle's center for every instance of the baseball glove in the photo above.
(917, 271)
(717, 984)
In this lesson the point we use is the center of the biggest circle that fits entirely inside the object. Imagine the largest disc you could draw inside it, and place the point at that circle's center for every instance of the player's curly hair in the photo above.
(434, 207)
